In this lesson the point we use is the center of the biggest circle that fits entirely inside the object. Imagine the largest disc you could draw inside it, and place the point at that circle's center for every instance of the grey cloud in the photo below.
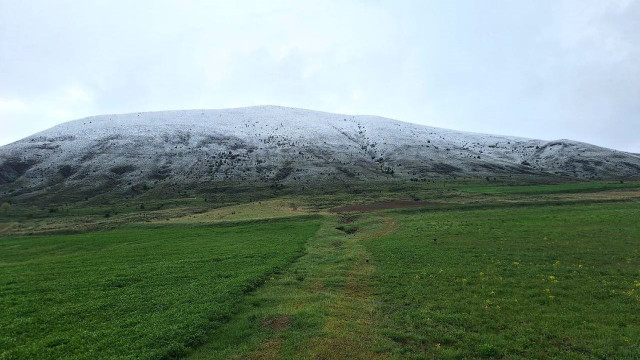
(542, 69)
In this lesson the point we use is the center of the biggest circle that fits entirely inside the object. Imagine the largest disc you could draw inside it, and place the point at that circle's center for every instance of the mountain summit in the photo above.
(282, 146)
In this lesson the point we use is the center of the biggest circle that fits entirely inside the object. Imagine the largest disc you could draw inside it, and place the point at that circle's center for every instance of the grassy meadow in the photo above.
(532, 282)
(139, 292)
(468, 271)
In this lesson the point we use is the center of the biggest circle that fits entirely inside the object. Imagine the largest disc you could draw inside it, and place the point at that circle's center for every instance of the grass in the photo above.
(320, 307)
(517, 272)
(568, 188)
(267, 209)
(537, 281)
(534, 282)
(134, 293)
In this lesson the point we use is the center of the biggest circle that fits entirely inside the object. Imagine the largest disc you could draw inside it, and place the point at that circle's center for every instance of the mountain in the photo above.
(277, 146)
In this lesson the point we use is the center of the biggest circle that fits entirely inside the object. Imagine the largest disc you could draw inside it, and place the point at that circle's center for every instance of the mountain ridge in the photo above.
(279, 146)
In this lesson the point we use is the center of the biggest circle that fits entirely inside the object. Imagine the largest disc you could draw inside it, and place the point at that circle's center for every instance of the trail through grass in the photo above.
(519, 272)
(321, 307)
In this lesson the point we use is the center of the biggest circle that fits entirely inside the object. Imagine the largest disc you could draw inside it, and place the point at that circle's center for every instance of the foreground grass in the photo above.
(534, 282)
(136, 292)
(321, 307)
(516, 272)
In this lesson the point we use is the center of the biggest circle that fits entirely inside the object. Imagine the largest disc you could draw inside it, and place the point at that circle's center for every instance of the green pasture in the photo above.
(473, 271)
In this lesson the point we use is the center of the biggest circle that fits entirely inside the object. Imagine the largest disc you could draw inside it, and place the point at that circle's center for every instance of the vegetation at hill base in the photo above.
(416, 270)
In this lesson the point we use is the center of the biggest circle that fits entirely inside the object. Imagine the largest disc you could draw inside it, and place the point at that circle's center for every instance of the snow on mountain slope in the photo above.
(270, 144)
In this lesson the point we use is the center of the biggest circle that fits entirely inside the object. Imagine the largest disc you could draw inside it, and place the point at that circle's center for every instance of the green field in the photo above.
(516, 272)
(535, 282)
(137, 292)
(570, 188)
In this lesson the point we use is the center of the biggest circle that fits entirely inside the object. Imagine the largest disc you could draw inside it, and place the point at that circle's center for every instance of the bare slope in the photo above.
(278, 145)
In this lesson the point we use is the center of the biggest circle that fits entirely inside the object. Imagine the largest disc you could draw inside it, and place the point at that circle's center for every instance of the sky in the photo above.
(539, 69)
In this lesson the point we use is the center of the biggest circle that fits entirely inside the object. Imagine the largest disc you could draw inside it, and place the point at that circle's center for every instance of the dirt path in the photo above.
(350, 327)
(321, 307)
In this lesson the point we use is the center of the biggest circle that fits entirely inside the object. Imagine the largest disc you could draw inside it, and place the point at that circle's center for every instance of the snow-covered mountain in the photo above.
(278, 145)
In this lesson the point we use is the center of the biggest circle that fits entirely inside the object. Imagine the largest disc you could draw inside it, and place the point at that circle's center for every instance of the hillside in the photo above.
(277, 146)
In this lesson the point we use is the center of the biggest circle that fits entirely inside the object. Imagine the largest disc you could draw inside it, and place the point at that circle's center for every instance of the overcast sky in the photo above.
(540, 69)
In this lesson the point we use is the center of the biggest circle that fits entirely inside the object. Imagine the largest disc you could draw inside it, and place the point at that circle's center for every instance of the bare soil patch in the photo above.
(347, 219)
(277, 323)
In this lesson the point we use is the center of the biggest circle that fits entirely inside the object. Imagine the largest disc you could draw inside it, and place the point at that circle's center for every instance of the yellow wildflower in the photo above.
(629, 293)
